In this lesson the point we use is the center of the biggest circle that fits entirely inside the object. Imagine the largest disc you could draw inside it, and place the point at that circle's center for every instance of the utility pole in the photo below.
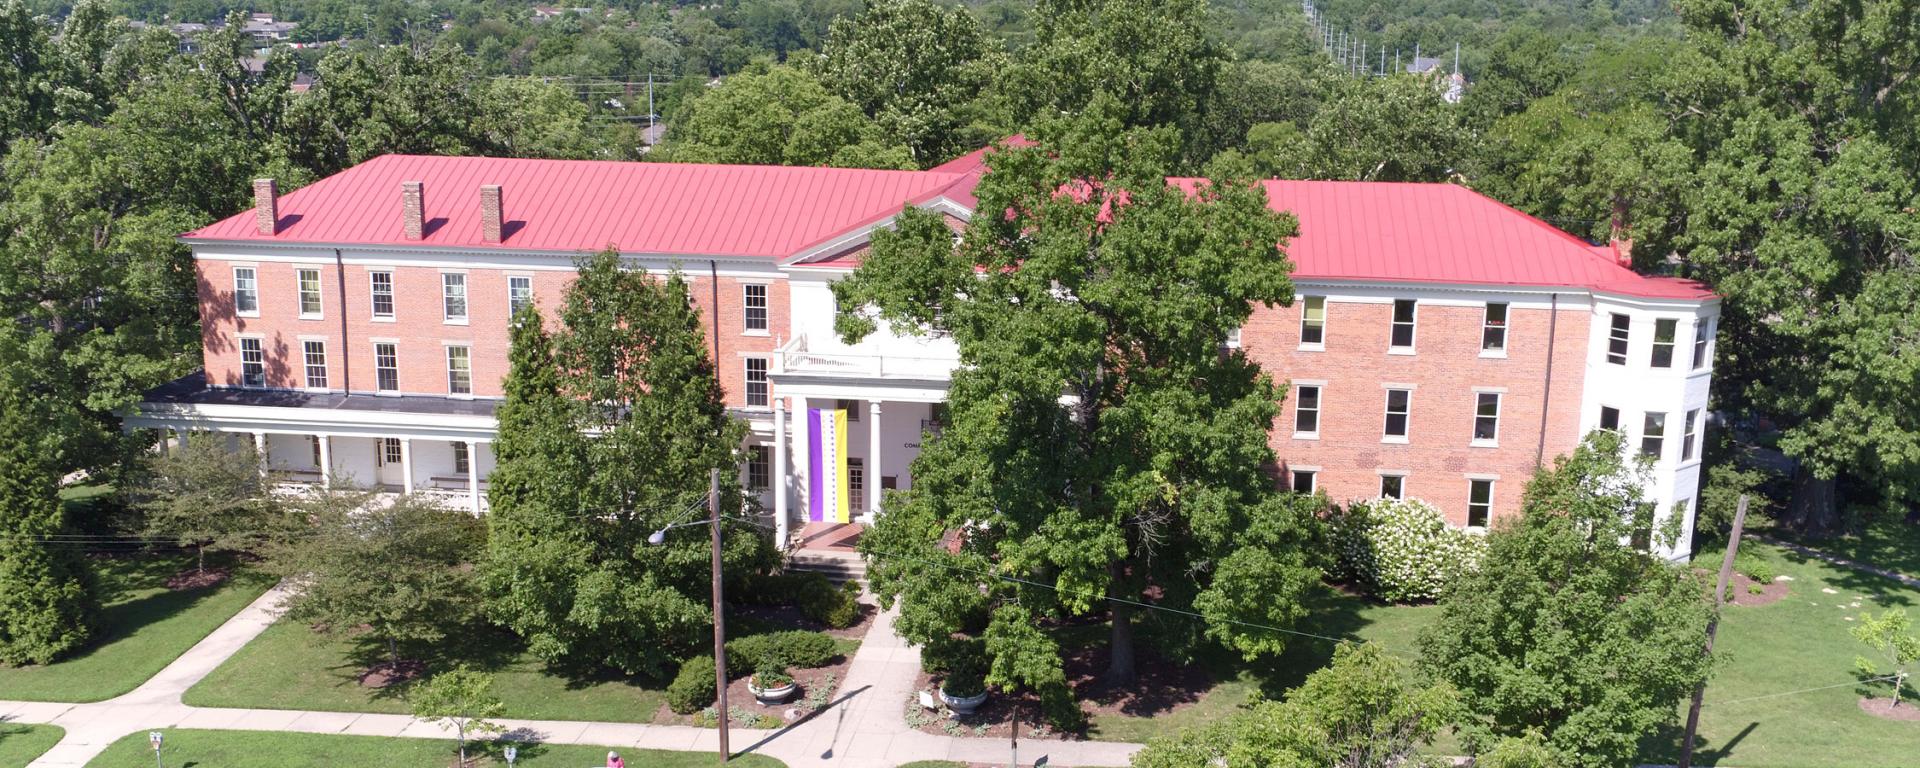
(649, 99)
(719, 616)
(1713, 624)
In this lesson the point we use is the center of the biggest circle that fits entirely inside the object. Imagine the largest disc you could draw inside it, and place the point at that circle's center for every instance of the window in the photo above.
(1306, 410)
(1663, 333)
(856, 483)
(459, 370)
(309, 280)
(1393, 486)
(1303, 481)
(386, 367)
(1233, 338)
(453, 292)
(1653, 435)
(519, 293)
(1486, 417)
(757, 382)
(390, 450)
(1479, 502)
(253, 363)
(1493, 329)
(755, 305)
(462, 459)
(382, 283)
(759, 467)
(316, 353)
(1403, 319)
(1398, 402)
(1609, 418)
(313, 441)
(852, 407)
(246, 291)
(1617, 339)
(1689, 435)
(1702, 332)
(1313, 321)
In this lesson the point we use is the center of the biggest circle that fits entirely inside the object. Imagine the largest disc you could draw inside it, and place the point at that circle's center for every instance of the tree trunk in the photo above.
(200, 552)
(1814, 510)
(1120, 668)
(393, 654)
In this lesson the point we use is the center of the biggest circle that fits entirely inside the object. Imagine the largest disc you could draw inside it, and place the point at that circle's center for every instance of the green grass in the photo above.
(1797, 643)
(262, 749)
(145, 626)
(20, 744)
(291, 667)
(1884, 542)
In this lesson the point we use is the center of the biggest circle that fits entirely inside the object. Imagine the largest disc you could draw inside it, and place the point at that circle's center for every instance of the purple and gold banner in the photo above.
(827, 466)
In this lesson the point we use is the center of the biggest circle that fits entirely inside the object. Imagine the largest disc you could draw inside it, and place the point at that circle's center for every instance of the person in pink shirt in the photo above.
(614, 761)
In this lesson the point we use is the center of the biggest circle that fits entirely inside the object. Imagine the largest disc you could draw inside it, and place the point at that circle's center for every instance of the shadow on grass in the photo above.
(483, 648)
(120, 577)
(1663, 746)
(1888, 592)
(1329, 614)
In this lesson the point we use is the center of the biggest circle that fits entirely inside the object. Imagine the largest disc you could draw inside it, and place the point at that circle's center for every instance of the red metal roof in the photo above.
(1363, 231)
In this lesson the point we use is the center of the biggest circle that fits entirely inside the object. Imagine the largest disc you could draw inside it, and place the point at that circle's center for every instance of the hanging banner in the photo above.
(827, 466)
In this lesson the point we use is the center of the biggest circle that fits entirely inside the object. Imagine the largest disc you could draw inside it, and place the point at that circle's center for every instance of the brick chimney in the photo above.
(413, 207)
(490, 213)
(266, 206)
(1617, 235)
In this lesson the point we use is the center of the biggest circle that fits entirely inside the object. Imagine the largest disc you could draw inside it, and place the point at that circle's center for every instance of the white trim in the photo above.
(393, 291)
(1499, 407)
(533, 297)
(1413, 328)
(255, 269)
(319, 291)
(466, 298)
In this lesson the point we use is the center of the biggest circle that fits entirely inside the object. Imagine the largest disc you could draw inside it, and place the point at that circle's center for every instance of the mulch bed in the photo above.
(1908, 711)
(191, 579)
(388, 673)
(1163, 687)
(739, 698)
(1770, 592)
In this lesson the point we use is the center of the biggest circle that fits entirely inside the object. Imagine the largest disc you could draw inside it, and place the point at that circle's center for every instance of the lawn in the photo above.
(20, 744)
(291, 667)
(1798, 643)
(1884, 542)
(266, 749)
(145, 626)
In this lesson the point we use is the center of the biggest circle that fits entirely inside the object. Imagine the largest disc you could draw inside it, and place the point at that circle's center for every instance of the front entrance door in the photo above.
(387, 457)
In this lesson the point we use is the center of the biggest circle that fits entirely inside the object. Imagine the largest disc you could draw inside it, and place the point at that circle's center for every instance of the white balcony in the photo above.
(926, 363)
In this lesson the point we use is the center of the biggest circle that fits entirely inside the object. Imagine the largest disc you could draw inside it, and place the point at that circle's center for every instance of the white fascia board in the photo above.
(861, 234)
(470, 258)
(311, 421)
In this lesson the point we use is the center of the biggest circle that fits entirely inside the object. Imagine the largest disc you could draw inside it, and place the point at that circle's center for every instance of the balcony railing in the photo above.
(795, 358)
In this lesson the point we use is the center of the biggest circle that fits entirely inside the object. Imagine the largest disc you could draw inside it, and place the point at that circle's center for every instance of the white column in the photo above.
(260, 448)
(406, 465)
(183, 439)
(873, 460)
(473, 477)
(801, 457)
(326, 460)
(780, 472)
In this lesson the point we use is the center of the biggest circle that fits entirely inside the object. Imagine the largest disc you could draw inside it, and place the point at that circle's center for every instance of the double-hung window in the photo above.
(1486, 418)
(309, 283)
(1610, 418)
(1689, 436)
(757, 388)
(1393, 486)
(519, 293)
(1664, 330)
(386, 366)
(381, 285)
(759, 467)
(246, 291)
(459, 370)
(1404, 313)
(462, 458)
(1653, 435)
(1303, 480)
(1399, 404)
(754, 308)
(1313, 322)
(1493, 330)
(1306, 410)
(1702, 332)
(1479, 502)
(453, 295)
(1617, 336)
(316, 363)
(253, 362)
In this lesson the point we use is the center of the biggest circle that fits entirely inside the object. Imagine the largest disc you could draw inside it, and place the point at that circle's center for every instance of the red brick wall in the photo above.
(1444, 372)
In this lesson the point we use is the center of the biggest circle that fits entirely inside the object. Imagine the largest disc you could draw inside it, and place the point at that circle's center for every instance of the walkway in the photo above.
(1838, 560)
(865, 727)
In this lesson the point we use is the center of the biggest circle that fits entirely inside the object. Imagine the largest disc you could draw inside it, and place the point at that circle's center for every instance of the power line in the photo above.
(1800, 691)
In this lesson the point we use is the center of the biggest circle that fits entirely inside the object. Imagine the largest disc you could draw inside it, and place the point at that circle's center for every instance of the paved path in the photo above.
(865, 727)
(1839, 561)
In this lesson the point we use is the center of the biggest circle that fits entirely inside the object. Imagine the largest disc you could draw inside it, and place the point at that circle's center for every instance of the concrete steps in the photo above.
(836, 565)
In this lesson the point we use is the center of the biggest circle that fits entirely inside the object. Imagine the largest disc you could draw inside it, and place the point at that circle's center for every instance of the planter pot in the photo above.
(963, 705)
(774, 695)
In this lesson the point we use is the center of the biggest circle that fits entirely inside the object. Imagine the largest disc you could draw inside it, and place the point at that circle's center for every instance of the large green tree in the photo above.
(1102, 451)
(208, 494)
(1568, 629)
(917, 69)
(780, 115)
(609, 430)
(1366, 129)
(48, 602)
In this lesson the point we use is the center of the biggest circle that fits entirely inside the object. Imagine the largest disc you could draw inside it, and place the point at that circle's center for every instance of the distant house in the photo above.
(545, 12)
(1425, 65)
(265, 30)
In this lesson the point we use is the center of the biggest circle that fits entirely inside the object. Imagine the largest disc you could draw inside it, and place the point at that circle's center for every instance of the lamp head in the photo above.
(657, 537)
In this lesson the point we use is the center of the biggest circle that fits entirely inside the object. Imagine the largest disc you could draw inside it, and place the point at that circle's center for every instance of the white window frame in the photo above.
(462, 458)
(373, 296)
(1671, 345)
(748, 382)
(1399, 478)
(1489, 328)
(466, 354)
(1702, 343)
(253, 292)
(1233, 338)
(1319, 407)
(1405, 414)
(391, 451)
(307, 365)
(760, 457)
(857, 483)
(1621, 335)
(1493, 484)
(446, 298)
(393, 344)
(1412, 324)
(511, 299)
(1647, 422)
(747, 307)
(1313, 479)
(1690, 436)
(260, 342)
(1306, 310)
(319, 293)
(1600, 421)
(1499, 402)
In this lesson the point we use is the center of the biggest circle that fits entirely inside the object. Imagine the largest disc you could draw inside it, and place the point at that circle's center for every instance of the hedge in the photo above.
(786, 650)
(1401, 550)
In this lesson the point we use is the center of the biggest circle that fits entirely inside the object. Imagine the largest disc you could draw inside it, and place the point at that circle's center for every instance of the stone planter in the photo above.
(962, 705)
(774, 695)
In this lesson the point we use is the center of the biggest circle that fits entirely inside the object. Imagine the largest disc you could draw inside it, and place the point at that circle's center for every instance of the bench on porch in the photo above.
(451, 483)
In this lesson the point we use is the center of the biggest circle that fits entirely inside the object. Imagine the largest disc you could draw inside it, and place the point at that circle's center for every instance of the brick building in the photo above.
(1440, 346)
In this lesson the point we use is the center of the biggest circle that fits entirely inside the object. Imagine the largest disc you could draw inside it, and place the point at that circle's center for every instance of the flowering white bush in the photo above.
(1401, 550)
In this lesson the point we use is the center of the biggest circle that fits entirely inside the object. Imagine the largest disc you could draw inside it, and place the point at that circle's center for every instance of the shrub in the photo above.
(692, 689)
(837, 608)
(791, 649)
(1401, 550)
(1753, 565)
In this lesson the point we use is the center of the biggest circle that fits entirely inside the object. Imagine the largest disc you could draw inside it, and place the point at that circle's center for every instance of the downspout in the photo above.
(1546, 396)
(346, 346)
(713, 311)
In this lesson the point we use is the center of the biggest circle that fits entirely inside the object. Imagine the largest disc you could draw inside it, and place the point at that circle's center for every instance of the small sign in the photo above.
(155, 738)
(511, 753)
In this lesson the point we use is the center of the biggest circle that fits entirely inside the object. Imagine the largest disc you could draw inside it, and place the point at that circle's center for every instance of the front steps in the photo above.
(837, 565)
